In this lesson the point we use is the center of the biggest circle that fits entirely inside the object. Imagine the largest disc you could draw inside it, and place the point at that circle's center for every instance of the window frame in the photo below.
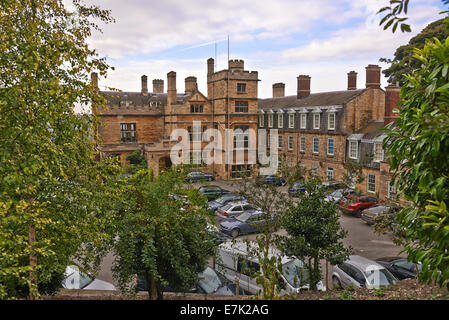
(238, 108)
(329, 120)
(356, 142)
(368, 182)
(333, 146)
(317, 139)
(280, 120)
(303, 120)
(291, 120)
(239, 86)
(290, 142)
(128, 128)
(315, 115)
(301, 140)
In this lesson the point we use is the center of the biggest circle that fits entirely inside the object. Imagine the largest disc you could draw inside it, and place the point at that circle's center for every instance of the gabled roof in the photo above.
(372, 130)
(331, 98)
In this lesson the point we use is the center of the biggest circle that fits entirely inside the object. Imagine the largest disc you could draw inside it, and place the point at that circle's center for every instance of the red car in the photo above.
(356, 207)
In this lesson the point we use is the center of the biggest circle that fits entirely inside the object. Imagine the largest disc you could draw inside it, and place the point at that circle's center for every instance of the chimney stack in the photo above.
(210, 66)
(171, 87)
(352, 80)
(373, 76)
(158, 86)
(190, 85)
(303, 86)
(278, 89)
(94, 79)
(392, 100)
(144, 79)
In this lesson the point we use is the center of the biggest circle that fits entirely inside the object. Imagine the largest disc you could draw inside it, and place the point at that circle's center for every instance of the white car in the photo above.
(359, 272)
(76, 279)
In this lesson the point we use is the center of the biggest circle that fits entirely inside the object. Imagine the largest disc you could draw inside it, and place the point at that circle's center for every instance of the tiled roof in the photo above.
(372, 130)
(332, 98)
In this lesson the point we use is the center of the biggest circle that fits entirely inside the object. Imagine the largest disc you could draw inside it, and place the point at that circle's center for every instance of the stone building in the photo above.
(322, 131)
(145, 120)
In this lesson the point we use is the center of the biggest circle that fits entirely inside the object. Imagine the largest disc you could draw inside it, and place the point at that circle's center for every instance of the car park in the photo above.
(296, 187)
(234, 260)
(209, 282)
(223, 200)
(212, 192)
(369, 215)
(359, 272)
(400, 267)
(199, 176)
(271, 180)
(76, 279)
(233, 209)
(245, 223)
(356, 207)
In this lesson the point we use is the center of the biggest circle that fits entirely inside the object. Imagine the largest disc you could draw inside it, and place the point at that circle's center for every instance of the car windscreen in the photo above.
(379, 277)
(226, 207)
(209, 280)
(295, 273)
(76, 279)
(222, 200)
(244, 216)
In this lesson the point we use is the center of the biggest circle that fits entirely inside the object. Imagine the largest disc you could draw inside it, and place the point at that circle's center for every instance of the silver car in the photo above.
(359, 272)
(233, 209)
(76, 279)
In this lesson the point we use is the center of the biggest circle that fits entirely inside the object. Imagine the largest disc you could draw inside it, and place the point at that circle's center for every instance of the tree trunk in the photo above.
(33, 263)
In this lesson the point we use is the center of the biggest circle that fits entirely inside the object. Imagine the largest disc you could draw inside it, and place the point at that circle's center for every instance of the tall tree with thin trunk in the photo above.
(51, 188)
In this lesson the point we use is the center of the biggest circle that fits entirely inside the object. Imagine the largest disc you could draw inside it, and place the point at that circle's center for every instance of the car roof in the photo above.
(390, 259)
(240, 247)
(235, 203)
(363, 263)
(379, 208)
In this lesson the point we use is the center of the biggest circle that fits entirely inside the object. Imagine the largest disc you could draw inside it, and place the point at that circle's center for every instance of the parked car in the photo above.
(296, 187)
(76, 279)
(271, 180)
(209, 281)
(337, 195)
(359, 272)
(199, 176)
(355, 208)
(233, 209)
(369, 215)
(400, 267)
(334, 185)
(213, 192)
(234, 260)
(247, 222)
(223, 200)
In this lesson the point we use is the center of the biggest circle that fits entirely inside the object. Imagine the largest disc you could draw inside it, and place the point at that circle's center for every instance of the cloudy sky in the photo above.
(280, 39)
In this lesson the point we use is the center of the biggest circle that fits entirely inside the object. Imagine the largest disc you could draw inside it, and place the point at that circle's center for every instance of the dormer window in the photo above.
(353, 149)
(331, 121)
(303, 121)
(261, 120)
(378, 152)
(270, 120)
(316, 121)
(291, 120)
(280, 120)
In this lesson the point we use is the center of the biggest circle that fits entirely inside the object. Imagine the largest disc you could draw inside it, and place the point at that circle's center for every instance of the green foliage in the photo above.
(314, 230)
(404, 62)
(50, 183)
(419, 141)
(163, 239)
(137, 162)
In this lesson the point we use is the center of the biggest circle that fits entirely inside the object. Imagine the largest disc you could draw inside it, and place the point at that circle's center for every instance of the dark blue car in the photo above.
(296, 187)
(224, 200)
(271, 179)
(247, 222)
(199, 176)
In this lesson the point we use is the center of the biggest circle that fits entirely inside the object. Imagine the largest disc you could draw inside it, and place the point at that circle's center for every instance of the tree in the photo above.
(403, 61)
(314, 231)
(392, 15)
(164, 240)
(419, 141)
(273, 204)
(51, 189)
(137, 161)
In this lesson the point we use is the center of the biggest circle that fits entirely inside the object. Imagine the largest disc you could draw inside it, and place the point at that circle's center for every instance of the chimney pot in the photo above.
(352, 80)
(392, 100)
(158, 86)
(144, 79)
(171, 87)
(190, 85)
(303, 86)
(278, 89)
(210, 66)
(373, 76)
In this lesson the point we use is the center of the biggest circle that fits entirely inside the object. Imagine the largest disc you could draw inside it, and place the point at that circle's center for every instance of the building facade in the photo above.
(324, 131)
(146, 120)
